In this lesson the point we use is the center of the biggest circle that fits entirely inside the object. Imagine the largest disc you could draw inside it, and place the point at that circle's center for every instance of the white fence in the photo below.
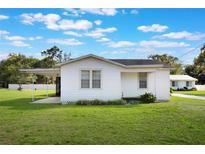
(200, 87)
(30, 86)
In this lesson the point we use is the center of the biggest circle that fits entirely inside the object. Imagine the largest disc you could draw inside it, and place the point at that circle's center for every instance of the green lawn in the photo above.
(180, 121)
(197, 93)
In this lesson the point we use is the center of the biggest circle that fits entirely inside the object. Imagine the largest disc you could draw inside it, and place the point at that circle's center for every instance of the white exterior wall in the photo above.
(130, 84)
(182, 84)
(162, 84)
(157, 83)
(30, 86)
(200, 87)
(71, 76)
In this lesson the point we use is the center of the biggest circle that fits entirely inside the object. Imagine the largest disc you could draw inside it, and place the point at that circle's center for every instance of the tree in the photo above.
(199, 62)
(197, 70)
(53, 53)
(56, 54)
(10, 68)
(171, 60)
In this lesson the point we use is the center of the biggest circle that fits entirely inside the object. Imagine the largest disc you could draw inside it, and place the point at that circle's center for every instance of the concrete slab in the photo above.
(49, 100)
(189, 96)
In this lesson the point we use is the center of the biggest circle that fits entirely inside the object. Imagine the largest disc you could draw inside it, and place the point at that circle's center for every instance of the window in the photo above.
(96, 79)
(85, 79)
(188, 84)
(142, 80)
(173, 83)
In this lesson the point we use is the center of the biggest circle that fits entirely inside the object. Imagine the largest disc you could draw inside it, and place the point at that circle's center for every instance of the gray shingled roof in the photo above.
(124, 62)
(129, 62)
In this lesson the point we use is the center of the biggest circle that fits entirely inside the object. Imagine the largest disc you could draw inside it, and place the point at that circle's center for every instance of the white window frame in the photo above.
(81, 78)
(146, 80)
(92, 79)
(90, 71)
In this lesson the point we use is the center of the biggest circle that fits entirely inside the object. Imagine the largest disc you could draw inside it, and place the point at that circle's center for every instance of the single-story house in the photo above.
(182, 81)
(93, 77)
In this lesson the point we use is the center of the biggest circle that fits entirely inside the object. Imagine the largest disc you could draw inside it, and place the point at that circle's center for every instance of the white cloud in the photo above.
(19, 44)
(73, 33)
(35, 38)
(104, 39)
(3, 56)
(99, 32)
(97, 11)
(94, 34)
(162, 44)
(153, 28)
(21, 38)
(72, 12)
(77, 25)
(98, 22)
(70, 42)
(107, 12)
(3, 17)
(3, 32)
(120, 44)
(54, 22)
(134, 11)
(182, 35)
(106, 30)
(30, 18)
(14, 38)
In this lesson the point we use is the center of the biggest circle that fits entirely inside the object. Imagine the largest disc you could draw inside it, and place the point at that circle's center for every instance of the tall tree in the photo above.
(56, 54)
(53, 53)
(197, 70)
(171, 60)
(199, 61)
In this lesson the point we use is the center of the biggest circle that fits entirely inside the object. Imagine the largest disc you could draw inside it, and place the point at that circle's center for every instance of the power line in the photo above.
(191, 50)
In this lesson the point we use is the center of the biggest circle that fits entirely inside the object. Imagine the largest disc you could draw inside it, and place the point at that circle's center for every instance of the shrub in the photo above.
(100, 102)
(171, 90)
(116, 102)
(147, 98)
(19, 88)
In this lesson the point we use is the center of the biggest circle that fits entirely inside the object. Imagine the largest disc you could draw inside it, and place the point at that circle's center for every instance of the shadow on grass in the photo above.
(26, 104)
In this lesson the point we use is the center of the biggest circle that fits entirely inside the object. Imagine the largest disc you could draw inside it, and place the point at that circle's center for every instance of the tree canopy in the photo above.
(10, 66)
(197, 69)
(171, 60)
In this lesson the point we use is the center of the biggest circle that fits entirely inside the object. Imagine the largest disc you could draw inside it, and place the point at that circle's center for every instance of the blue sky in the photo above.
(111, 33)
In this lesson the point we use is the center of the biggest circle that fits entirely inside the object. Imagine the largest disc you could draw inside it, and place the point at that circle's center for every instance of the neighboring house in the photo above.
(181, 81)
(93, 77)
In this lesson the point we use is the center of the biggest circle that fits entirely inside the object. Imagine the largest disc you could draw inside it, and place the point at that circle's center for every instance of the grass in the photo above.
(180, 121)
(196, 93)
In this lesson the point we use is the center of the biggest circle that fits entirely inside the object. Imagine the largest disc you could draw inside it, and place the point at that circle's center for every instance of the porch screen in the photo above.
(85, 79)
(142, 80)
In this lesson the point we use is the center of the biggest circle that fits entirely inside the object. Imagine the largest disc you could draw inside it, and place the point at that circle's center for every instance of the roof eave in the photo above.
(112, 62)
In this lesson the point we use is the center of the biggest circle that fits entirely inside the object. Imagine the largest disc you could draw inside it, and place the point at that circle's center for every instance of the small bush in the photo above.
(19, 88)
(171, 90)
(147, 98)
(185, 88)
(100, 102)
(116, 102)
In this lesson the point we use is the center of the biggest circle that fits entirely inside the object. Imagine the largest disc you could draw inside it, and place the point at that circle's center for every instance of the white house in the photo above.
(181, 81)
(93, 77)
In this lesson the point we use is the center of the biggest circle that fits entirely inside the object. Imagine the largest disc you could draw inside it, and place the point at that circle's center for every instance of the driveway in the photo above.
(189, 96)
(49, 100)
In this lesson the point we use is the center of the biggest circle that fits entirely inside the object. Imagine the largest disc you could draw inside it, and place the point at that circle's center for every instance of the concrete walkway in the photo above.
(189, 96)
(49, 100)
